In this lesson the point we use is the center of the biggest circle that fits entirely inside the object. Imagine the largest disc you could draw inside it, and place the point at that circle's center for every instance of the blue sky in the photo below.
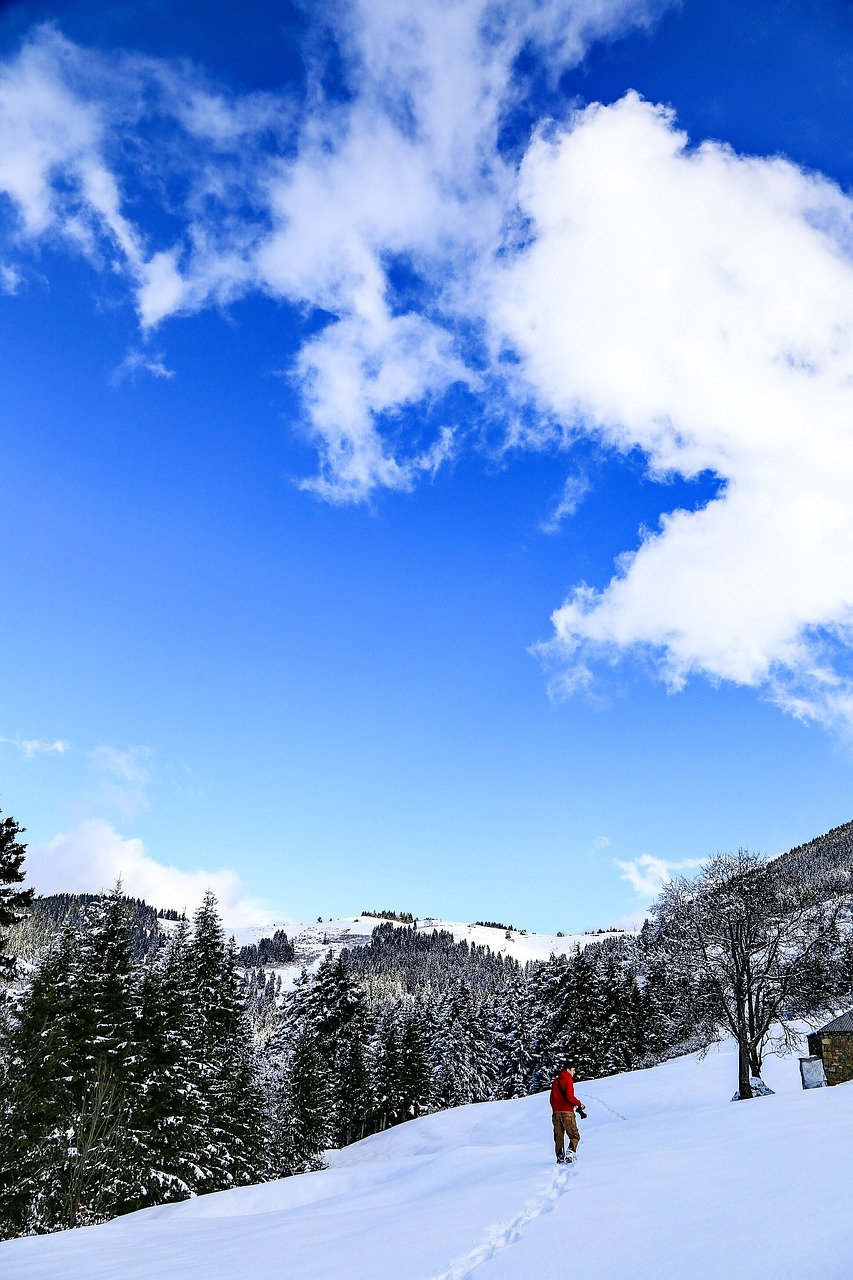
(426, 448)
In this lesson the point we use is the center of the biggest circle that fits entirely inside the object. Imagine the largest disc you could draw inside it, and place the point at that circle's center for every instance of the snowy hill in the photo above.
(314, 940)
(672, 1181)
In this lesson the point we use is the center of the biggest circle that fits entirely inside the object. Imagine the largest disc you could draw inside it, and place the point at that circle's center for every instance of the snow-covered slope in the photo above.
(672, 1181)
(314, 940)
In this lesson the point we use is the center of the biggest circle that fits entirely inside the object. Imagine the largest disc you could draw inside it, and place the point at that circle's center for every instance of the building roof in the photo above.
(838, 1026)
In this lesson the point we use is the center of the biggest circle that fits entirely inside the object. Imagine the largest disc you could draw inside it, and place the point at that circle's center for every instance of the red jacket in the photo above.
(563, 1093)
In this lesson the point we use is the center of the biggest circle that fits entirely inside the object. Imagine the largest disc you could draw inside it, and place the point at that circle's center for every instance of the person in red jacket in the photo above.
(563, 1107)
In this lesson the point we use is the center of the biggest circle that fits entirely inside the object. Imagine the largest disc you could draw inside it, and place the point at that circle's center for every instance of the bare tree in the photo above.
(763, 945)
(94, 1141)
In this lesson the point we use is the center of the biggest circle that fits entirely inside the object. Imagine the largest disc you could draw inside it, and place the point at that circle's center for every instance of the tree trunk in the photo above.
(743, 1073)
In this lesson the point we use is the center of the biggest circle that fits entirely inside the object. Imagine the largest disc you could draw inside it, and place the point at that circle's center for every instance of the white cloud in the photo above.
(32, 747)
(575, 489)
(409, 171)
(94, 855)
(647, 875)
(602, 842)
(39, 746)
(313, 204)
(141, 362)
(698, 305)
(690, 303)
(10, 280)
(161, 291)
(52, 151)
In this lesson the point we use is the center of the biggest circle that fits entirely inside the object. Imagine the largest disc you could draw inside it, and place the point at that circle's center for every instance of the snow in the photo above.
(314, 940)
(672, 1180)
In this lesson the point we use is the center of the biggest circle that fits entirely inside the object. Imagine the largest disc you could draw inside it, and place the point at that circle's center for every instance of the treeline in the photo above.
(275, 950)
(48, 915)
(402, 917)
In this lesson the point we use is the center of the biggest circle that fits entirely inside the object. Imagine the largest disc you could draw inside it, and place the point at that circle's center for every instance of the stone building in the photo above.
(834, 1043)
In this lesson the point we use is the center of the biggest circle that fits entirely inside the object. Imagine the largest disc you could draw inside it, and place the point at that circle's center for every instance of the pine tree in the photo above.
(14, 902)
(303, 1104)
(170, 1073)
(386, 1054)
(457, 1068)
(110, 1138)
(584, 1014)
(415, 1076)
(618, 1030)
(230, 1100)
(357, 1102)
(241, 1096)
(47, 1053)
(512, 1036)
(335, 1008)
(552, 994)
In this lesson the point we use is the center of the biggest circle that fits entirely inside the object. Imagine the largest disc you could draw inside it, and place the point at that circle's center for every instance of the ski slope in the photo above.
(672, 1180)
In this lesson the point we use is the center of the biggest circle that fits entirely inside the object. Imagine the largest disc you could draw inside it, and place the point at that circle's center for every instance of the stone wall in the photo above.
(837, 1054)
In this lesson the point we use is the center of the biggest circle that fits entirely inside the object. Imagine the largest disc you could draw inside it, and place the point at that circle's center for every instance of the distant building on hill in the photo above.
(834, 1044)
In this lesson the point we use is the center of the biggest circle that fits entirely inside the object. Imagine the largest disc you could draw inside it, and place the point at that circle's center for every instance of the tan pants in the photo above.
(565, 1123)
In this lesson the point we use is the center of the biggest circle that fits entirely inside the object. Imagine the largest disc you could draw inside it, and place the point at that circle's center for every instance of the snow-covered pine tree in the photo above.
(337, 1011)
(170, 1074)
(244, 1111)
(415, 1076)
(456, 1058)
(586, 1010)
(386, 1060)
(357, 1098)
(106, 1173)
(618, 1031)
(46, 1055)
(303, 1102)
(14, 901)
(228, 1084)
(512, 1037)
(551, 992)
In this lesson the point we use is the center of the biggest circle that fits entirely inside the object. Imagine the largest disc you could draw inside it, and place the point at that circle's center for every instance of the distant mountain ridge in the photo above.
(827, 859)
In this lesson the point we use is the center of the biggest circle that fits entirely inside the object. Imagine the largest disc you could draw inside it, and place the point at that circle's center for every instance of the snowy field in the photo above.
(673, 1180)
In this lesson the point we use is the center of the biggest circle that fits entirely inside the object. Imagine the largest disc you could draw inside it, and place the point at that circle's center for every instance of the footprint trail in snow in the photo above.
(505, 1234)
(599, 1103)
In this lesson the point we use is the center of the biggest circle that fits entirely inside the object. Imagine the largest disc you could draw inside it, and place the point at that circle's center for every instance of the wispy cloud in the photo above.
(132, 764)
(647, 875)
(124, 776)
(10, 280)
(311, 202)
(32, 747)
(574, 491)
(136, 362)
